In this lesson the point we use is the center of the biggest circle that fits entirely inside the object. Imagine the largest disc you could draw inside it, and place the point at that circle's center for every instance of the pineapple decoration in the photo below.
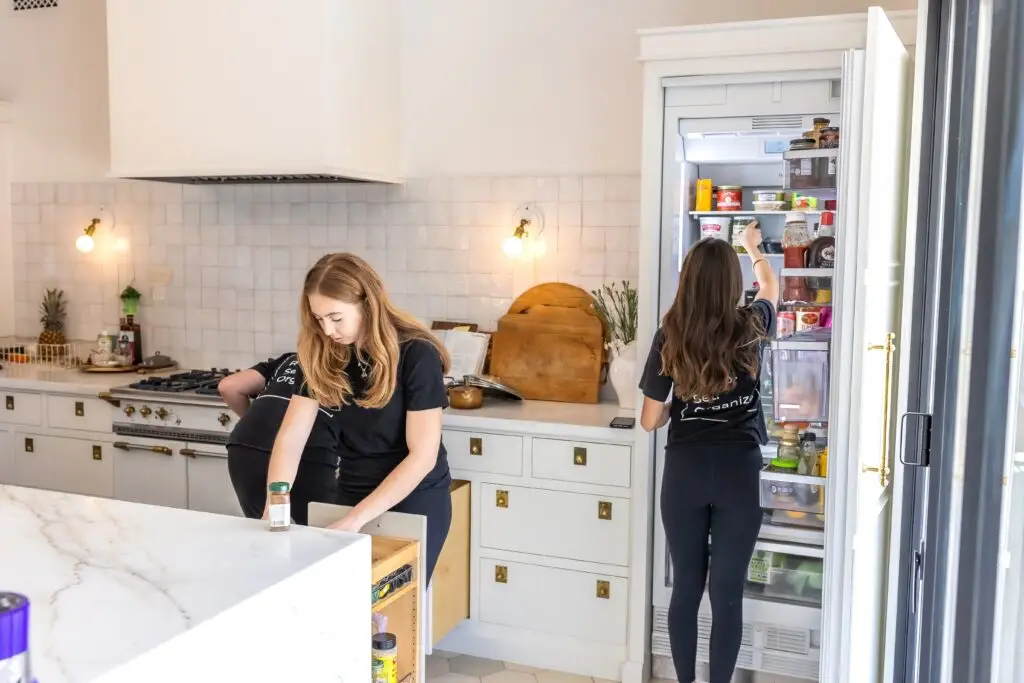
(54, 315)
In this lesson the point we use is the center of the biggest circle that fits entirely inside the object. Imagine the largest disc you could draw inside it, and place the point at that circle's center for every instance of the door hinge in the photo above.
(921, 449)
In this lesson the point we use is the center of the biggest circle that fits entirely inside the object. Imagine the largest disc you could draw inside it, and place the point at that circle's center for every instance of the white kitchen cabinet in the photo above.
(581, 461)
(209, 485)
(149, 471)
(66, 464)
(6, 457)
(481, 452)
(79, 413)
(21, 408)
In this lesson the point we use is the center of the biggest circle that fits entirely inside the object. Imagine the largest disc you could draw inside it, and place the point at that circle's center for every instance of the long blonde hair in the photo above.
(348, 278)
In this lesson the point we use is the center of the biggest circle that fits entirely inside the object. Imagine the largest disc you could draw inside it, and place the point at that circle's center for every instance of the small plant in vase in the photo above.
(618, 309)
(130, 300)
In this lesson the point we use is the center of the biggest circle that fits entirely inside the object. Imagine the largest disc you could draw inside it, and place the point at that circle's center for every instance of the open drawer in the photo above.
(396, 594)
(449, 589)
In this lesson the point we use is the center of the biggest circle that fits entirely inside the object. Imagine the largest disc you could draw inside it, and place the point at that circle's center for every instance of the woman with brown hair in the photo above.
(382, 373)
(707, 356)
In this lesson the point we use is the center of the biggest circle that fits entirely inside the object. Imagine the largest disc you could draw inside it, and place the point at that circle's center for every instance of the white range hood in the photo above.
(214, 91)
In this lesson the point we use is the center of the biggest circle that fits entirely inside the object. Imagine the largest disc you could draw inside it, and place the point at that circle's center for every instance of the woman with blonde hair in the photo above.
(382, 375)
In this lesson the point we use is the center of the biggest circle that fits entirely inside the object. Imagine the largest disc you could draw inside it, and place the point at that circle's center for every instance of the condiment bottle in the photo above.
(280, 506)
(385, 658)
(795, 240)
(822, 254)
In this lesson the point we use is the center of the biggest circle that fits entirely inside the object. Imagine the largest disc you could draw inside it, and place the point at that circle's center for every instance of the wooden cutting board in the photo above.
(550, 345)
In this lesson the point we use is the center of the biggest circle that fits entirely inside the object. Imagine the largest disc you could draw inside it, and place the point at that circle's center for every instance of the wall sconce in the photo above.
(527, 234)
(85, 242)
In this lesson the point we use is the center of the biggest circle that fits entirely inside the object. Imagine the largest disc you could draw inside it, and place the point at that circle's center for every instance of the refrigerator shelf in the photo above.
(796, 344)
(698, 214)
(811, 153)
(788, 533)
(807, 272)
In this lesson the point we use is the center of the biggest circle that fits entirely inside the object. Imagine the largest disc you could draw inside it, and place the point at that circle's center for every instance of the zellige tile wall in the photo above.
(220, 268)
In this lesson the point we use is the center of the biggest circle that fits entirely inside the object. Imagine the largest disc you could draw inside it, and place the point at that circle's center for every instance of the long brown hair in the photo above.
(708, 338)
(348, 278)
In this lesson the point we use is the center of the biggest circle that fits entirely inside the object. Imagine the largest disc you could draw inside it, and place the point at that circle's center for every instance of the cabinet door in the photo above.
(60, 463)
(209, 485)
(6, 457)
(149, 471)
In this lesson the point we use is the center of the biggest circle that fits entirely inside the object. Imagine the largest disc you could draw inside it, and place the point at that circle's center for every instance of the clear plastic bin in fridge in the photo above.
(798, 493)
(800, 379)
(785, 577)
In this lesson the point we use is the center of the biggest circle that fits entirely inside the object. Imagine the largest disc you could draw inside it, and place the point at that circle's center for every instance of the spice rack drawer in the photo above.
(390, 557)
(793, 492)
(78, 412)
(488, 453)
(21, 408)
(450, 583)
(574, 526)
(581, 461)
(580, 605)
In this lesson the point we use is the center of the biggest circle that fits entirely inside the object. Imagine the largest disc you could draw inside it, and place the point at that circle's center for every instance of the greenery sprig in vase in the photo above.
(618, 309)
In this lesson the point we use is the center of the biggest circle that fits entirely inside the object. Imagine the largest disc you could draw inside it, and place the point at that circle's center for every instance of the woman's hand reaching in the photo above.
(752, 237)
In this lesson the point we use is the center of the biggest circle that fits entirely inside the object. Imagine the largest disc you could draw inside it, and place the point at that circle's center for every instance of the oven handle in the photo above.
(191, 453)
(125, 446)
(109, 398)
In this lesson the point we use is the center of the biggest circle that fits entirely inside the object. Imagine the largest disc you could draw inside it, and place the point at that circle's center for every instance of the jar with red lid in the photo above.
(730, 198)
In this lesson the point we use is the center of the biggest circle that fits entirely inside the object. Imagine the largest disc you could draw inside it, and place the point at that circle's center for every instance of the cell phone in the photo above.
(622, 422)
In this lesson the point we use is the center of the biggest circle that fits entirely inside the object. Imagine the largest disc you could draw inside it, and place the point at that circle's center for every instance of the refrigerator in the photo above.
(816, 590)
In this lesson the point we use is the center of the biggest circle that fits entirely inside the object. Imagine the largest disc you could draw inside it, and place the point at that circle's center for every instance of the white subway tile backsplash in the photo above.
(236, 256)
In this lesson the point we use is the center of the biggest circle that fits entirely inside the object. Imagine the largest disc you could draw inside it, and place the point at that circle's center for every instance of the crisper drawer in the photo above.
(575, 526)
(793, 492)
(581, 461)
(786, 573)
(559, 601)
(21, 408)
(479, 452)
(78, 412)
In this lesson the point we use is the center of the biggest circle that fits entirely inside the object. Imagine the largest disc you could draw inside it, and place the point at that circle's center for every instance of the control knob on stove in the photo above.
(145, 411)
(129, 411)
(223, 418)
(162, 413)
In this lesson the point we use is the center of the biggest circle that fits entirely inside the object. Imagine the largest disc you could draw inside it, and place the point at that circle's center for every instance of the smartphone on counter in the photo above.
(622, 422)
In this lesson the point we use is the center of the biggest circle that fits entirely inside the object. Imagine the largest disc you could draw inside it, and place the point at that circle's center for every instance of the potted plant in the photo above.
(130, 300)
(618, 309)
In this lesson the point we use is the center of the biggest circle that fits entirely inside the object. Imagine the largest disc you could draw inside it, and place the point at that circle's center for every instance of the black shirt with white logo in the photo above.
(732, 417)
(373, 441)
(259, 426)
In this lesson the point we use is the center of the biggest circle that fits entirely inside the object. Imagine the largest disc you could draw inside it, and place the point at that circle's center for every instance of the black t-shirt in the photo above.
(372, 440)
(258, 427)
(733, 417)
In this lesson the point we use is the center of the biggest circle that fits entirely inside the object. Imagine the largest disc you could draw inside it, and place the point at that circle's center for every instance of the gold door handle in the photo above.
(125, 446)
(9, 402)
(604, 510)
(109, 398)
(882, 469)
(476, 445)
(579, 456)
(97, 452)
(501, 498)
(604, 589)
(30, 445)
(500, 574)
(79, 409)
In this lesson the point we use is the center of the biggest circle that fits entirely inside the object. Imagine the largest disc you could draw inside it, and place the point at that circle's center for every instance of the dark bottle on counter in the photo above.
(131, 333)
(822, 254)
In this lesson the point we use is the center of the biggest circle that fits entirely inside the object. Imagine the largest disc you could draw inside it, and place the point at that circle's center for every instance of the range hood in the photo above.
(254, 91)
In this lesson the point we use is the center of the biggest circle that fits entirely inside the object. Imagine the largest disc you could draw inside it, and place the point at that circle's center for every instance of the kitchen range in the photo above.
(168, 417)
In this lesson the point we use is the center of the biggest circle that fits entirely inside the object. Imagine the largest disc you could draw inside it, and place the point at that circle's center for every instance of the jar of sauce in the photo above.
(730, 198)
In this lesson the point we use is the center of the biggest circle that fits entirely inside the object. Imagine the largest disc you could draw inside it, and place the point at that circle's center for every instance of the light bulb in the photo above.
(512, 246)
(84, 243)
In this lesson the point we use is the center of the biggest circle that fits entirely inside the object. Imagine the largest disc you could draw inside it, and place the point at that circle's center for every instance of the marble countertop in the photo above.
(114, 583)
(16, 376)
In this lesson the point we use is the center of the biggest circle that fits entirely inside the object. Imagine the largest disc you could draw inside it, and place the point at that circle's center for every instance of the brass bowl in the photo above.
(465, 397)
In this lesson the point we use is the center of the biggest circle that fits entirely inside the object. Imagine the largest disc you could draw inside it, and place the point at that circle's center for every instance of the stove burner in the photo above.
(203, 382)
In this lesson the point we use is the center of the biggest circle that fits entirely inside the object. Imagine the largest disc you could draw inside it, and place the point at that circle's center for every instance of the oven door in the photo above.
(148, 470)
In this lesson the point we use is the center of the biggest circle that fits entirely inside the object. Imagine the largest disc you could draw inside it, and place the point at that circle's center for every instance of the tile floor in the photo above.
(444, 667)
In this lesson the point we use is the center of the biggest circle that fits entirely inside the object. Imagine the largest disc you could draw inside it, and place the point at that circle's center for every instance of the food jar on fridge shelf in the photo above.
(717, 227)
(739, 226)
(730, 198)
(704, 193)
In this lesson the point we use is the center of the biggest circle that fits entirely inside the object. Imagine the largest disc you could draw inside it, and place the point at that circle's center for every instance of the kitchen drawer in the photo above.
(581, 461)
(575, 526)
(450, 583)
(58, 463)
(490, 453)
(149, 471)
(20, 408)
(78, 412)
(209, 484)
(580, 605)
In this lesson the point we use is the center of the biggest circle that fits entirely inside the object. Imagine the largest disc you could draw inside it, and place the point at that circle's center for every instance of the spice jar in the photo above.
(385, 658)
(280, 506)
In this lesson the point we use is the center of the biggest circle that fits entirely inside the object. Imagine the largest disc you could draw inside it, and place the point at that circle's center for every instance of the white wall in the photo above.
(523, 87)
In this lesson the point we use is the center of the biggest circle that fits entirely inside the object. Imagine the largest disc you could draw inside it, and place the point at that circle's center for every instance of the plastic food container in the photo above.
(800, 380)
(718, 227)
(739, 226)
(730, 198)
(793, 492)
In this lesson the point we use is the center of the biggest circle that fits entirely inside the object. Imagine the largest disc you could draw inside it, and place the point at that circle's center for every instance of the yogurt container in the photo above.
(718, 227)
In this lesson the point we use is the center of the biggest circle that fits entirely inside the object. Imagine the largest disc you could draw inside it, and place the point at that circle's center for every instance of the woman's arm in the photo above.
(654, 414)
(236, 389)
(291, 440)
(767, 282)
(423, 436)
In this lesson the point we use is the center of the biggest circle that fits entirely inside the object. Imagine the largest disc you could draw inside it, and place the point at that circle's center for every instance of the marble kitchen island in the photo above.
(123, 592)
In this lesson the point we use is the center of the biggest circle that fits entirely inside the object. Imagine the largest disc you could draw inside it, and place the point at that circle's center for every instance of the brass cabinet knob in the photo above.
(162, 413)
(224, 419)
(500, 573)
(9, 402)
(604, 589)
(501, 498)
(79, 408)
(604, 510)
(129, 411)
(579, 456)
(145, 411)
(476, 445)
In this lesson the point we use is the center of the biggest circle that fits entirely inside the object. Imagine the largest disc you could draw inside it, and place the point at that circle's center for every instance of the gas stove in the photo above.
(183, 406)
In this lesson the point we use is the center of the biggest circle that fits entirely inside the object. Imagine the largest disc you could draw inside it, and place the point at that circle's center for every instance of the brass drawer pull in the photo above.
(125, 446)
(97, 452)
(192, 453)
(9, 402)
(501, 498)
(30, 445)
(604, 589)
(579, 456)
(604, 510)
(476, 445)
(500, 574)
(79, 409)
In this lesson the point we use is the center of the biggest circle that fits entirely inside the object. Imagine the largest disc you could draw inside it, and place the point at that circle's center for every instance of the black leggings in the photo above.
(434, 503)
(315, 482)
(711, 490)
